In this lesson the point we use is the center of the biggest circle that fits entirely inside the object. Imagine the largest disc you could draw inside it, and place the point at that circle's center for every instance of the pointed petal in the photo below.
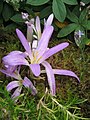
(29, 33)
(49, 20)
(35, 69)
(65, 72)
(18, 53)
(24, 42)
(14, 75)
(50, 75)
(10, 69)
(38, 27)
(53, 50)
(27, 83)
(16, 93)
(12, 85)
(43, 42)
(17, 59)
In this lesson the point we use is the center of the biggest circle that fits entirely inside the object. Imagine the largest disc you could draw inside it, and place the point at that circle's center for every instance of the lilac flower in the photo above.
(49, 20)
(30, 24)
(31, 28)
(25, 16)
(51, 78)
(34, 57)
(18, 84)
(38, 56)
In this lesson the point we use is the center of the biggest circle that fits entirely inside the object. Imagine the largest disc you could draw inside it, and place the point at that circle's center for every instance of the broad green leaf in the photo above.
(46, 12)
(82, 17)
(71, 16)
(59, 10)
(7, 12)
(76, 10)
(29, 11)
(87, 25)
(37, 2)
(86, 41)
(17, 18)
(11, 27)
(86, 1)
(67, 30)
(1, 6)
(70, 2)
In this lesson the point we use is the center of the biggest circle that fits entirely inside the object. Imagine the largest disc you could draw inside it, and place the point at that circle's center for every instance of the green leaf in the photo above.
(1, 6)
(67, 30)
(11, 27)
(70, 2)
(29, 11)
(7, 12)
(76, 10)
(71, 16)
(45, 12)
(86, 1)
(59, 10)
(37, 2)
(82, 17)
(86, 41)
(17, 18)
(87, 25)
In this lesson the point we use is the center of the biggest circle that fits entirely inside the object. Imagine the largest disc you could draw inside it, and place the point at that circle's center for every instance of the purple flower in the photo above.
(18, 83)
(34, 57)
(51, 78)
(31, 58)
(49, 20)
(34, 30)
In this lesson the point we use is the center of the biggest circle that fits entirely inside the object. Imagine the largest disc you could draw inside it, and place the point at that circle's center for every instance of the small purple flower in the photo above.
(25, 16)
(34, 31)
(18, 83)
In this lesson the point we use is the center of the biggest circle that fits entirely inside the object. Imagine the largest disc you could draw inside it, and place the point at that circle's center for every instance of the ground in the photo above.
(68, 90)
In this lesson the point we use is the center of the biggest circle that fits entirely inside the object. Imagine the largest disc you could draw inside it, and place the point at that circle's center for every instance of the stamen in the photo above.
(34, 44)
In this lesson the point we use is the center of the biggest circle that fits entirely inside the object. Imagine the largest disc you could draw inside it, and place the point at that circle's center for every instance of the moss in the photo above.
(70, 58)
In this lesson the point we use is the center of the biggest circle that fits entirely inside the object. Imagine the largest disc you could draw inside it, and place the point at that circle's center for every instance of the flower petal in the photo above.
(38, 27)
(24, 42)
(53, 50)
(29, 33)
(8, 73)
(12, 85)
(43, 42)
(16, 93)
(10, 69)
(16, 52)
(35, 69)
(15, 59)
(65, 72)
(49, 20)
(24, 54)
(50, 75)
(27, 83)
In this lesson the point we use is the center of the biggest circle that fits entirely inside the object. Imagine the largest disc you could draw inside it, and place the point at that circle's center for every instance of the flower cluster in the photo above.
(35, 54)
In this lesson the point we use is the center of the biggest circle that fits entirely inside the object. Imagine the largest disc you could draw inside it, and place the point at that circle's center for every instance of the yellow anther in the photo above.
(35, 55)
